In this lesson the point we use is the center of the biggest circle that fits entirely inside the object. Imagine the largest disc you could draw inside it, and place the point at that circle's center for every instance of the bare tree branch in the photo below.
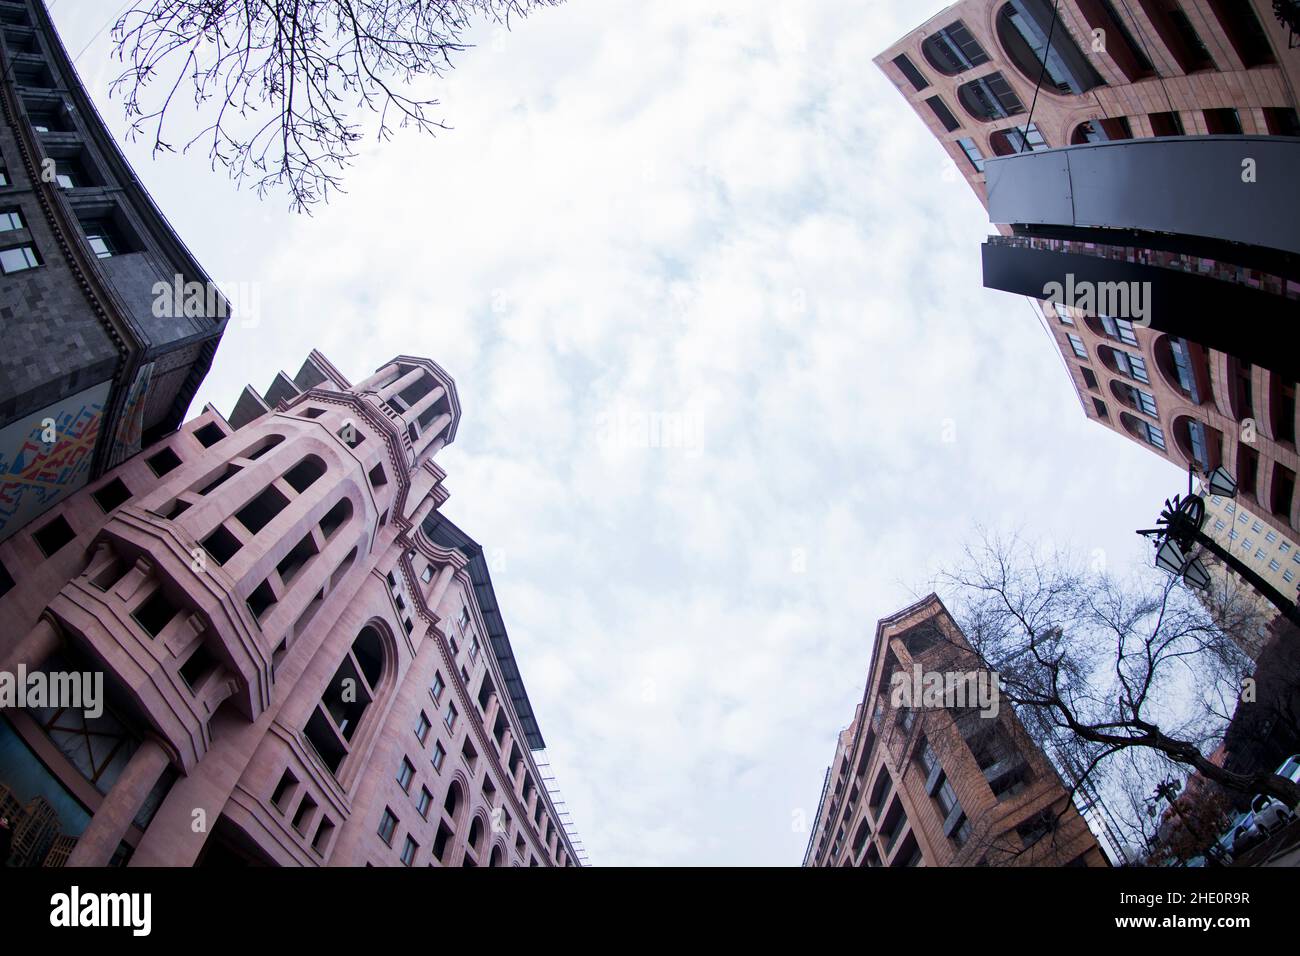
(278, 83)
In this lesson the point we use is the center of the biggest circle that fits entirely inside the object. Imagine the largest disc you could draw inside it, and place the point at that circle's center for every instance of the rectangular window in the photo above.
(405, 774)
(422, 727)
(408, 851)
(10, 220)
(112, 495)
(1119, 329)
(387, 826)
(942, 113)
(439, 755)
(1089, 378)
(1288, 575)
(435, 689)
(1076, 343)
(423, 804)
(1155, 436)
(1274, 566)
(972, 153)
(1167, 124)
(449, 718)
(1282, 121)
(1223, 122)
(910, 72)
(53, 535)
(18, 259)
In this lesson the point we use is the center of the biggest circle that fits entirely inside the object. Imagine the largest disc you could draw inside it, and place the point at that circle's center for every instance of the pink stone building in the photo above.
(304, 662)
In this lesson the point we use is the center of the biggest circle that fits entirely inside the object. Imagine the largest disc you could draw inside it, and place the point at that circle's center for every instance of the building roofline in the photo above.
(441, 531)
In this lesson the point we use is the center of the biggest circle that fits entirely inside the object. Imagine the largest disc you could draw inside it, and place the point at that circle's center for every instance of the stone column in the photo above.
(385, 374)
(389, 391)
(422, 510)
(440, 585)
(413, 413)
(99, 841)
(34, 649)
(434, 430)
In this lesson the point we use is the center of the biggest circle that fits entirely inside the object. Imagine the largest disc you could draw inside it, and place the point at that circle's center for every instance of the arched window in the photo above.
(336, 517)
(304, 474)
(1198, 443)
(1023, 29)
(333, 727)
(1015, 139)
(953, 50)
(1143, 430)
(476, 834)
(1129, 364)
(261, 447)
(1136, 398)
(451, 805)
(497, 859)
(989, 97)
(1184, 367)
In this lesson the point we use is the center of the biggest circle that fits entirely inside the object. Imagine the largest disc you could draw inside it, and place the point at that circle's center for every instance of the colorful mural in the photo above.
(130, 427)
(34, 473)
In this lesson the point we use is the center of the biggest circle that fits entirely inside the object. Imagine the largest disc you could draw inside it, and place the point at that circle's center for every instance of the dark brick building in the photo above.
(99, 358)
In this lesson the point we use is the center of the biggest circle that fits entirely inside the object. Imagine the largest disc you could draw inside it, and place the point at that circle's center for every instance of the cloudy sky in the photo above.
(732, 388)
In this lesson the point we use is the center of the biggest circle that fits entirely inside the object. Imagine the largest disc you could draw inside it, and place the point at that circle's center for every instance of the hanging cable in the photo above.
(1147, 53)
(1042, 68)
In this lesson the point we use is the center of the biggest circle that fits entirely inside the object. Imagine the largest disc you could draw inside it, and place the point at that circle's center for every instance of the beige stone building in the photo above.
(940, 786)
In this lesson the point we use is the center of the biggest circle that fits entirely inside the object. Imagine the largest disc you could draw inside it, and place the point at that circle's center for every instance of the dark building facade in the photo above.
(101, 356)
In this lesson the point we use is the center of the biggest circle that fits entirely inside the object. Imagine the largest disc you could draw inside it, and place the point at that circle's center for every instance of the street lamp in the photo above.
(1180, 530)
(1222, 483)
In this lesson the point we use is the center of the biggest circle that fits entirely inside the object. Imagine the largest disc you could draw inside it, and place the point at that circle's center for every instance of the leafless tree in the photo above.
(278, 84)
(1105, 664)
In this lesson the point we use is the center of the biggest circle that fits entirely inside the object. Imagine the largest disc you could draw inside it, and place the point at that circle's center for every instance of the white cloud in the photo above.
(712, 209)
